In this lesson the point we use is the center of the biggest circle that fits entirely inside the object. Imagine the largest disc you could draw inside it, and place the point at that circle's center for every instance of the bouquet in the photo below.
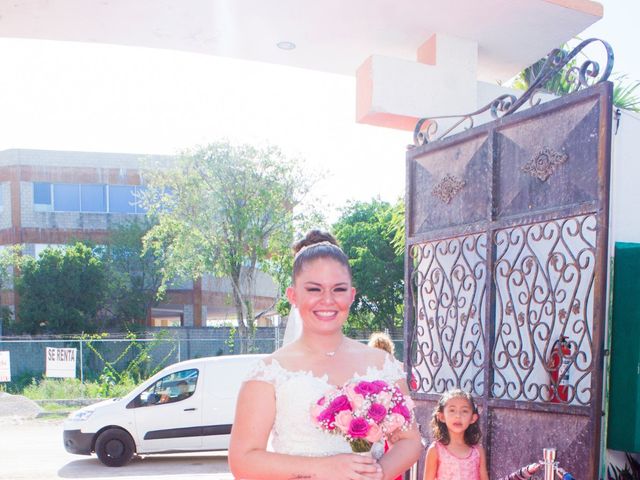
(363, 412)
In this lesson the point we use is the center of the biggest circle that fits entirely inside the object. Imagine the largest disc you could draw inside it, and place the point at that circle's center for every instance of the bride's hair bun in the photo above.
(313, 237)
(317, 244)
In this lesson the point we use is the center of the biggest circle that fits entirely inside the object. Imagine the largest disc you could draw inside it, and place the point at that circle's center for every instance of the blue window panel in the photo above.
(93, 198)
(41, 193)
(66, 197)
(122, 199)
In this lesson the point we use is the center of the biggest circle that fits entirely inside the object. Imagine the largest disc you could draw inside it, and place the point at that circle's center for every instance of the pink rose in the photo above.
(380, 385)
(358, 428)
(343, 420)
(339, 404)
(369, 388)
(385, 398)
(394, 422)
(375, 433)
(402, 409)
(356, 399)
(377, 412)
(327, 416)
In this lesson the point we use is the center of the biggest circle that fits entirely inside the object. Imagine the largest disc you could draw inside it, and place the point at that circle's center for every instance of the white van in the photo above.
(188, 406)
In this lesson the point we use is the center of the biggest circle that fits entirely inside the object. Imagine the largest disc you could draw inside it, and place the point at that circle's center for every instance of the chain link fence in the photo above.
(142, 355)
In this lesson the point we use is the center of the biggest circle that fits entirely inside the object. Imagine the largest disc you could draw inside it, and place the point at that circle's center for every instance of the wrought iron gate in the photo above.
(507, 253)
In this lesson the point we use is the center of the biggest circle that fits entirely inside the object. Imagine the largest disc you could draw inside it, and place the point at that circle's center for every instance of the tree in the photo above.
(226, 210)
(134, 275)
(9, 258)
(62, 291)
(366, 235)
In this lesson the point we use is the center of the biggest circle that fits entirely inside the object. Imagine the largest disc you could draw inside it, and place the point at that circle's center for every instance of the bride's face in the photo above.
(323, 294)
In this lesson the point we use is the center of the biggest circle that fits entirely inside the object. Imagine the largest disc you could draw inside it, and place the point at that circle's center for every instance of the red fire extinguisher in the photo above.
(559, 363)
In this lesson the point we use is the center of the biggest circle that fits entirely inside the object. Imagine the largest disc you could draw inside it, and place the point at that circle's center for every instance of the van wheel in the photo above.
(114, 447)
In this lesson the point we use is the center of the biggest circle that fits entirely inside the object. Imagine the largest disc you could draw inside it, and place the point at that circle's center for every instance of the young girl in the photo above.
(456, 453)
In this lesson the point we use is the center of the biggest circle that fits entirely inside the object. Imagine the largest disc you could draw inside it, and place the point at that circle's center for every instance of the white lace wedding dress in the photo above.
(293, 432)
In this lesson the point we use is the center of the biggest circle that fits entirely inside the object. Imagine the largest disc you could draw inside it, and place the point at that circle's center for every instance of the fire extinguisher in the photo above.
(559, 363)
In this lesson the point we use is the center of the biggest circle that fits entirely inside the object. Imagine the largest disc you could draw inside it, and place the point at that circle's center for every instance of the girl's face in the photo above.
(323, 294)
(457, 415)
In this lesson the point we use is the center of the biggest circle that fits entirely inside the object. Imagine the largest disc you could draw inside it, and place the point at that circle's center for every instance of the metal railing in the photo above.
(550, 468)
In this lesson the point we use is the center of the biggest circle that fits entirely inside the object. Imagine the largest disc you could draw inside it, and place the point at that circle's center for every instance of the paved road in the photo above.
(33, 450)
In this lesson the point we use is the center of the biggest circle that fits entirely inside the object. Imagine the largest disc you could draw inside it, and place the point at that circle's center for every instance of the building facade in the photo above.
(56, 197)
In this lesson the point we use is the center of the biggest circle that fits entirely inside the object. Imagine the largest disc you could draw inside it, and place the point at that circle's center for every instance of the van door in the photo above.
(168, 413)
(221, 387)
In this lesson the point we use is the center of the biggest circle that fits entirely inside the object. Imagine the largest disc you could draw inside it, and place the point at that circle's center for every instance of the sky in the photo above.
(93, 97)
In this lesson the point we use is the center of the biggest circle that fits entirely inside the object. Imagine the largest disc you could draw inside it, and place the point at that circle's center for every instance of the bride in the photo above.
(273, 436)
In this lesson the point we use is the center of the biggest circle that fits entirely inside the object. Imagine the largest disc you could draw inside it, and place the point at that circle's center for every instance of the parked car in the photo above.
(187, 407)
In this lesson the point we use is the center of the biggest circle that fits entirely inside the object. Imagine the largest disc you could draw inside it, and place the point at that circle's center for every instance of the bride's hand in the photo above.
(350, 467)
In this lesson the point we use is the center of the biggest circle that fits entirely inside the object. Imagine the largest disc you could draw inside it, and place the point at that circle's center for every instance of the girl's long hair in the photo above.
(472, 434)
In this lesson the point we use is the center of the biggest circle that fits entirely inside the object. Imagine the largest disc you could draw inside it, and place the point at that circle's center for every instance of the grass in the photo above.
(72, 388)
(56, 407)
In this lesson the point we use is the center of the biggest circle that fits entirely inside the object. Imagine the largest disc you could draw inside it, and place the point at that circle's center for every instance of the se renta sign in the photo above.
(60, 362)
(5, 367)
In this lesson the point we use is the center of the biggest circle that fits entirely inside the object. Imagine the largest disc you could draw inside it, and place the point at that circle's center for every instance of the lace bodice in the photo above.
(293, 432)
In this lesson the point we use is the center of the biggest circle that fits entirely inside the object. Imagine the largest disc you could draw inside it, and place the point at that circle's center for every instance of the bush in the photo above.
(72, 388)
(21, 381)
(55, 388)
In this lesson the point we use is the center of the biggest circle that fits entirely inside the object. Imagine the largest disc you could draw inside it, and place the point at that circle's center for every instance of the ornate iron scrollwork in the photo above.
(585, 75)
(543, 164)
(447, 188)
(544, 276)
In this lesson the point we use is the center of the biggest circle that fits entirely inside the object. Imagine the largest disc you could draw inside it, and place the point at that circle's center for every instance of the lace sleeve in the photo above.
(263, 372)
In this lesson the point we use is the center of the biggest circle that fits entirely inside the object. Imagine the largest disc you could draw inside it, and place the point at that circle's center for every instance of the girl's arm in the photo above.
(484, 475)
(431, 463)
(406, 450)
(248, 458)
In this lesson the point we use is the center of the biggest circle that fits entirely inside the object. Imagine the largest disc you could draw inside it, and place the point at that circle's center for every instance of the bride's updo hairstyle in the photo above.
(317, 244)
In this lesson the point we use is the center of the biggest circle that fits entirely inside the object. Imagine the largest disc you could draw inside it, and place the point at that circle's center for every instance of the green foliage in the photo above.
(141, 366)
(366, 234)
(624, 93)
(230, 341)
(396, 227)
(134, 275)
(72, 388)
(9, 258)
(227, 210)
(21, 381)
(558, 84)
(631, 470)
(55, 388)
(61, 291)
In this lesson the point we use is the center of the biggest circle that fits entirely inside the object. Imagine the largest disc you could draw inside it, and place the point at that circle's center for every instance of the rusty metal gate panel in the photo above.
(506, 252)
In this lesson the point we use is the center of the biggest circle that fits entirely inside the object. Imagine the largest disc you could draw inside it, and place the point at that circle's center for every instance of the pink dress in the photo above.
(451, 467)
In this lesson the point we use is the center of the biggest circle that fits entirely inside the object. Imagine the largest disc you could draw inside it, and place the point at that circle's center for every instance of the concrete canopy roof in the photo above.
(330, 35)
